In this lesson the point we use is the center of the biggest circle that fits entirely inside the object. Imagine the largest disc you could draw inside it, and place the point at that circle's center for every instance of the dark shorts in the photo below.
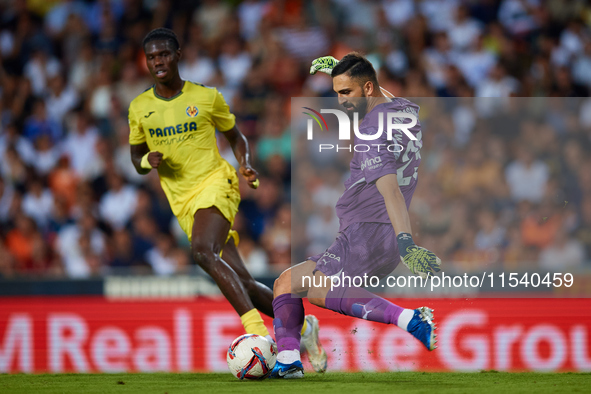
(362, 248)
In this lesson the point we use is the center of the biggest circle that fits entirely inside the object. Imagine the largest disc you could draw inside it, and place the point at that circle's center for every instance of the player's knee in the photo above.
(202, 256)
(282, 284)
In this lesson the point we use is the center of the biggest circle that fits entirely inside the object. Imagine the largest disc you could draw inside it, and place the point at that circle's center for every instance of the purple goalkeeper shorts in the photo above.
(362, 248)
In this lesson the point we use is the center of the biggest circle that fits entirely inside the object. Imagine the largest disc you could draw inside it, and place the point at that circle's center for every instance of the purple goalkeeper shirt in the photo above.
(361, 201)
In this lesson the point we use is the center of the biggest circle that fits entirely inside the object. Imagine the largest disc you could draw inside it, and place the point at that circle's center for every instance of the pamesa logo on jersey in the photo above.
(192, 111)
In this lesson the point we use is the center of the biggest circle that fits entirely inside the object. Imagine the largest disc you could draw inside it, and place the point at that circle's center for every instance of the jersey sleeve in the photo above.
(375, 164)
(222, 118)
(136, 134)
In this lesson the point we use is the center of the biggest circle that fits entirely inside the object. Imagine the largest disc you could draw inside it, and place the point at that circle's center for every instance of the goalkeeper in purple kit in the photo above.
(375, 232)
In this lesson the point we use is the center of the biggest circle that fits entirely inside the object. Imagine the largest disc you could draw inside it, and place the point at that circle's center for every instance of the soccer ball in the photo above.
(251, 357)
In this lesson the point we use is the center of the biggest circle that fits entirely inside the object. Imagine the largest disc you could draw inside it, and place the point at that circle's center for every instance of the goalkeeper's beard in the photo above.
(360, 108)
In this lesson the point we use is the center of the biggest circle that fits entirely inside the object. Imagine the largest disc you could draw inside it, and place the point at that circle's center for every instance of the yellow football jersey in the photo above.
(182, 128)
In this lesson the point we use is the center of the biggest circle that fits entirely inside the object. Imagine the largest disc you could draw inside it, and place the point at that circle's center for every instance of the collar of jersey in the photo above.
(169, 98)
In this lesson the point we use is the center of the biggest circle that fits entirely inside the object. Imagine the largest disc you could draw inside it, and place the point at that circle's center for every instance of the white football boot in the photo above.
(316, 354)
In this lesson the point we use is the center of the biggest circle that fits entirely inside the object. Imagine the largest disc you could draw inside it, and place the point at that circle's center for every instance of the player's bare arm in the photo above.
(418, 260)
(153, 159)
(241, 150)
(395, 203)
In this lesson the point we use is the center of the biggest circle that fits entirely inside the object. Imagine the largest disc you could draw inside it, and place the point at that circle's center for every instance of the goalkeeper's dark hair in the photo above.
(162, 33)
(357, 67)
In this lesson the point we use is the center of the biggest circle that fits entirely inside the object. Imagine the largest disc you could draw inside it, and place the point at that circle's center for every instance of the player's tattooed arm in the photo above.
(418, 260)
(143, 160)
(241, 150)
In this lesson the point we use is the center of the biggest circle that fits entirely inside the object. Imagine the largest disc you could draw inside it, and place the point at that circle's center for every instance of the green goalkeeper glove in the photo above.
(418, 260)
(323, 64)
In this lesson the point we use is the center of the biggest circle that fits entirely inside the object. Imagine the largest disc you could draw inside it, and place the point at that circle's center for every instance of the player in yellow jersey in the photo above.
(172, 129)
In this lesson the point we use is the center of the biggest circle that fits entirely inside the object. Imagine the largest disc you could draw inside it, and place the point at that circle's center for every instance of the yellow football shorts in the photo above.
(222, 193)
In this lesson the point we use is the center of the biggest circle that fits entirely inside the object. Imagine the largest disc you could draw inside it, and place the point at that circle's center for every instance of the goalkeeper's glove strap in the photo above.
(404, 241)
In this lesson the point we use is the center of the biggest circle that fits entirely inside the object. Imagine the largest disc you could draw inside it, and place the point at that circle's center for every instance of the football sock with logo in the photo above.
(360, 303)
(289, 318)
(253, 323)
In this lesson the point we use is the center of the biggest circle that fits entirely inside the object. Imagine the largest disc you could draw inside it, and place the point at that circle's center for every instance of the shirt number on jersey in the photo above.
(411, 152)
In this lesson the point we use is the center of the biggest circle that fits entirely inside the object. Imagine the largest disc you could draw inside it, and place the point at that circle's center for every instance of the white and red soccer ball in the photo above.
(251, 357)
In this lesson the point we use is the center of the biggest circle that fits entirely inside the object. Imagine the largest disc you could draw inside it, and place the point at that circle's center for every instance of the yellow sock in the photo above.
(304, 327)
(253, 323)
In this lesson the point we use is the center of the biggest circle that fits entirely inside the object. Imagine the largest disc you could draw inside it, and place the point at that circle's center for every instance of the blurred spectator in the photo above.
(517, 255)
(234, 61)
(254, 257)
(39, 124)
(436, 59)
(277, 239)
(573, 38)
(81, 246)
(275, 140)
(302, 41)
(465, 30)
(118, 204)
(583, 232)
(439, 13)
(131, 84)
(563, 254)
(100, 98)
(40, 68)
(83, 68)
(61, 100)
(20, 242)
(518, 16)
(476, 62)
(211, 17)
(38, 202)
(80, 145)
(7, 263)
(14, 170)
(121, 156)
(164, 258)
(195, 66)
(145, 233)
(321, 229)
(57, 17)
(250, 13)
(479, 172)
(63, 182)
(490, 235)
(527, 176)
(497, 84)
(538, 230)
(399, 12)
(6, 195)
(59, 216)
(47, 155)
(12, 139)
(123, 253)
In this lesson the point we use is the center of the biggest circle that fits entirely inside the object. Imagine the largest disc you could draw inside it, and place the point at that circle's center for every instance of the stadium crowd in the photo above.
(71, 204)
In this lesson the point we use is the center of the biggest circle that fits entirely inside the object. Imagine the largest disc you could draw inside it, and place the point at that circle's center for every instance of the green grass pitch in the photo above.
(342, 383)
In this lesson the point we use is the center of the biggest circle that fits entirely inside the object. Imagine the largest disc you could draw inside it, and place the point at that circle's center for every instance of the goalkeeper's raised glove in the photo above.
(418, 260)
(323, 64)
